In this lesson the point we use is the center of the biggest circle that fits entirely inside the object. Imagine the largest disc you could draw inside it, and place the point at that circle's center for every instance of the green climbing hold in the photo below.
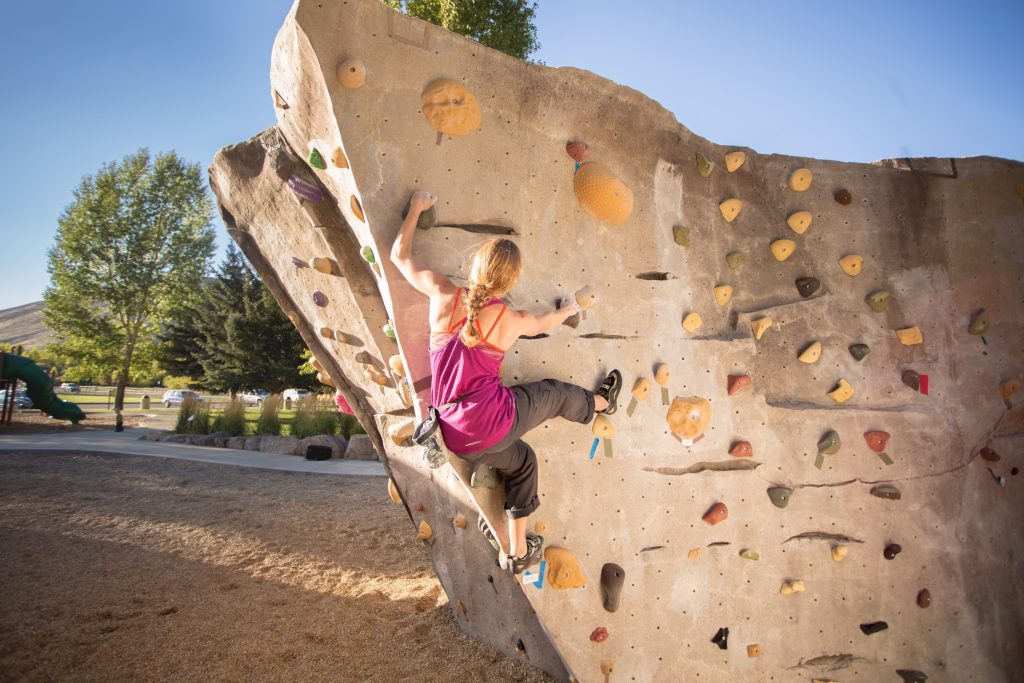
(979, 325)
(780, 495)
(886, 491)
(704, 167)
(316, 160)
(750, 555)
(681, 235)
(367, 254)
(389, 329)
(829, 444)
(859, 351)
(878, 301)
(736, 259)
(807, 286)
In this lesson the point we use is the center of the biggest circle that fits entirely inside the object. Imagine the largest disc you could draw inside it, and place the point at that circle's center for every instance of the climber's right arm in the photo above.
(426, 281)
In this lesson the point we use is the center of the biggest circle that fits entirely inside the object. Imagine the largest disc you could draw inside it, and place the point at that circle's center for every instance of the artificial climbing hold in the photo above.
(839, 553)
(316, 160)
(681, 235)
(742, 449)
(873, 627)
(737, 383)
(800, 181)
(393, 491)
(979, 324)
(730, 208)
(357, 208)
(579, 151)
(829, 444)
(661, 376)
(892, 550)
(586, 297)
(733, 160)
(721, 638)
(459, 521)
(351, 73)
(540, 527)
(811, 353)
(748, 554)
(782, 249)
(396, 365)
(876, 440)
(842, 392)
(603, 427)
(924, 598)
(911, 379)
(704, 167)
(886, 491)
(450, 107)
(338, 158)
(692, 322)
(641, 389)
(320, 299)
(612, 578)
(735, 259)
(367, 254)
(852, 264)
(305, 190)
(693, 554)
(753, 650)
(859, 351)
(425, 532)
(688, 417)
(779, 495)
(484, 476)
(807, 286)
(843, 197)
(419, 507)
(401, 432)
(722, 294)
(912, 676)
(1008, 388)
(800, 221)
(564, 569)
(760, 326)
(602, 194)
(791, 587)
(607, 667)
(989, 455)
(878, 301)
(599, 634)
(716, 513)
(321, 265)
(388, 329)
(279, 101)
(427, 219)
(909, 336)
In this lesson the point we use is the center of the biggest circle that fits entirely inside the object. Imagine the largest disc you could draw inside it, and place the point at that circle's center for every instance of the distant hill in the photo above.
(24, 325)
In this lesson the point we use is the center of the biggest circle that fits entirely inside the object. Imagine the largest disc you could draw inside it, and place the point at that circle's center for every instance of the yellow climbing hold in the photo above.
(396, 365)
(910, 336)
(564, 569)
(753, 650)
(692, 322)
(603, 427)
(607, 668)
(393, 491)
(723, 293)
(425, 531)
(733, 160)
(459, 521)
(357, 208)
(338, 158)
(540, 527)
(800, 181)
(730, 208)
(662, 375)
(760, 326)
(693, 554)
(852, 264)
(321, 265)
(735, 259)
(450, 107)
(839, 552)
(842, 393)
(687, 417)
(811, 354)
(783, 249)
(641, 388)
(790, 587)
(352, 73)
(800, 221)
(401, 432)
(602, 194)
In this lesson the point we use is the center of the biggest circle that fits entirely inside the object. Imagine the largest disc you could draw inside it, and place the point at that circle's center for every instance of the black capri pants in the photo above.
(536, 402)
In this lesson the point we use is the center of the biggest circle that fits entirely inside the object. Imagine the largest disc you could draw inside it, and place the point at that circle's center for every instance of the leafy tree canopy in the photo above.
(505, 25)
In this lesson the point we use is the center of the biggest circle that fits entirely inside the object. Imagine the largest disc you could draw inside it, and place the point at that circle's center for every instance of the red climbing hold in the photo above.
(419, 507)
(579, 151)
(876, 440)
(989, 455)
(738, 383)
(717, 513)
(599, 635)
(741, 449)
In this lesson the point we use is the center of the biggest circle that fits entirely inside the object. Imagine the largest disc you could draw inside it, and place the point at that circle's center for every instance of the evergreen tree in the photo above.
(505, 25)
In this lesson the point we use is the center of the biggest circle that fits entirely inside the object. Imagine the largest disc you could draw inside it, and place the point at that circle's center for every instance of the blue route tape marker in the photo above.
(593, 448)
(537, 579)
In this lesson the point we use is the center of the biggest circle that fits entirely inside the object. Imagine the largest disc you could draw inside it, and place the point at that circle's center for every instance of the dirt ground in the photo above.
(135, 568)
(37, 422)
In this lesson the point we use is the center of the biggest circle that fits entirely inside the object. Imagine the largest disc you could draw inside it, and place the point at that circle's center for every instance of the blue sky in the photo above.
(89, 82)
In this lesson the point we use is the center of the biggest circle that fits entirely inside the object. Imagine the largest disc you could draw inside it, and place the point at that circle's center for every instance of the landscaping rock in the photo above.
(237, 442)
(289, 445)
(253, 443)
(337, 444)
(360, 448)
(176, 438)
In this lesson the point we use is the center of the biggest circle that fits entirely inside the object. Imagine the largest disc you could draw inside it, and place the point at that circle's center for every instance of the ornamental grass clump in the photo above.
(232, 419)
(193, 417)
(269, 421)
(310, 420)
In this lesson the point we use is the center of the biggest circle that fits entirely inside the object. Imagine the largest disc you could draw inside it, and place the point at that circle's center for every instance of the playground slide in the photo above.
(40, 389)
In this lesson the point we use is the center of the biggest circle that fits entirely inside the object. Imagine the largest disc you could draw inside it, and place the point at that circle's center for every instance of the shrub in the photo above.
(311, 421)
(178, 382)
(350, 425)
(232, 418)
(193, 417)
(269, 421)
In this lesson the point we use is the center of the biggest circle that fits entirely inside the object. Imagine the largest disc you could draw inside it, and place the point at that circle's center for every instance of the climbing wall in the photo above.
(818, 476)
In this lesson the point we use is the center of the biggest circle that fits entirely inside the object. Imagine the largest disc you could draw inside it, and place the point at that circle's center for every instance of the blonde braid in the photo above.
(475, 300)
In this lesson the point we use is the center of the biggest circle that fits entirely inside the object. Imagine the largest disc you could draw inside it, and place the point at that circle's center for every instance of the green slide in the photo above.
(40, 388)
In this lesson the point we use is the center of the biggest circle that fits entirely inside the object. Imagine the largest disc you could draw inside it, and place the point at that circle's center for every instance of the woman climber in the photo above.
(481, 419)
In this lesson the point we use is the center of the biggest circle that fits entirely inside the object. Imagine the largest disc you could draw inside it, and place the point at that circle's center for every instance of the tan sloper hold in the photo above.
(338, 158)
(564, 570)
(692, 322)
(351, 73)
(733, 160)
(425, 532)
(688, 417)
(790, 587)
(783, 249)
(603, 427)
(811, 354)
(730, 208)
(662, 375)
(760, 326)
(910, 336)
(800, 221)
(852, 264)
(723, 293)
(450, 107)
(839, 553)
(842, 393)
(641, 388)
(393, 491)
(800, 181)
(602, 194)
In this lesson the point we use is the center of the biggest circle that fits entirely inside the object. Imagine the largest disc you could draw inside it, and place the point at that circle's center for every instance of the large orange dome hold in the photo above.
(602, 194)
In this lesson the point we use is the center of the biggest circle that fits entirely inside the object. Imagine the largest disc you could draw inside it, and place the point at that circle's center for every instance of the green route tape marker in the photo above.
(819, 461)
(884, 457)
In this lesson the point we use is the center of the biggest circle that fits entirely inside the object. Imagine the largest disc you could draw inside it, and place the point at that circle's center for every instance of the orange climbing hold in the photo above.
(876, 440)
(738, 383)
(450, 107)
(393, 491)
(852, 264)
(564, 569)
(909, 336)
(733, 160)
(692, 322)
(800, 181)
(603, 427)
(800, 221)
(782, 249)
(741, 449)
(718, 513)
(760, 326)
(352, 73)
(425, 532)
(723, 293)
(602, 194)
(688, 417)
(730, 208)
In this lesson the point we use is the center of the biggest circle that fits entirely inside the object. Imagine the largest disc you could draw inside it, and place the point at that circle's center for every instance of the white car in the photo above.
(295, 394)
(254, 397)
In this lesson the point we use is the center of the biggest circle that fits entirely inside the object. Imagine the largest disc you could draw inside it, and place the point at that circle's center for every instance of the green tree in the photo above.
(134, 241)
(505, 25)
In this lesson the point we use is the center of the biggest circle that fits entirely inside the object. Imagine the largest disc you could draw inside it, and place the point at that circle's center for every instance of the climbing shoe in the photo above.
(609, 391)
(534, 549)
(481, 524)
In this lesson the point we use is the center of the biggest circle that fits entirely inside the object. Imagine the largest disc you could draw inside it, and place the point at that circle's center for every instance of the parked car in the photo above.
(174, 397)
(295, 394)
(254, 397)
(69, 388)
(21, 399)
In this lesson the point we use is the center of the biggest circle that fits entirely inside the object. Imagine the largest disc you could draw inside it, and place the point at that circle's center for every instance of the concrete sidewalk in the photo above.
(129, 442)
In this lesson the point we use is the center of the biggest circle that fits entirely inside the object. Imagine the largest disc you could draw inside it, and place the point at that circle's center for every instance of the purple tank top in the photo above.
(486, 415)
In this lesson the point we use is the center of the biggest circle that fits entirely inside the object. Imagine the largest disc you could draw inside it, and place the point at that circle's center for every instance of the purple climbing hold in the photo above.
(306, 190)
(320, 299)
